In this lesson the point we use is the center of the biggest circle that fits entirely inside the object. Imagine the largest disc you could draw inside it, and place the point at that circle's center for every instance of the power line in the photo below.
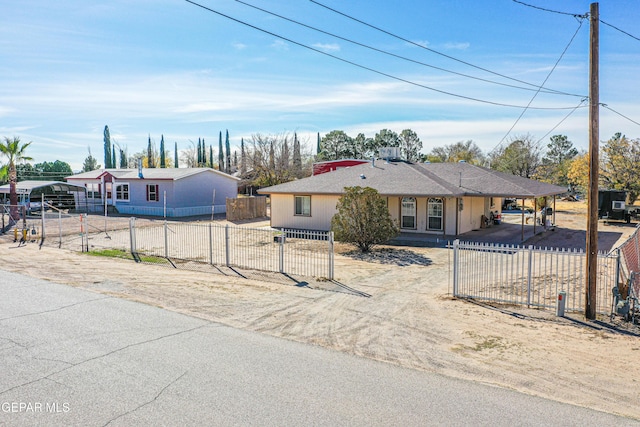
(545, 90)
(543, 83)
(620, 114)
(364, 67)
(422, 46)
(622, 31)
(575, 15)
(561, 121)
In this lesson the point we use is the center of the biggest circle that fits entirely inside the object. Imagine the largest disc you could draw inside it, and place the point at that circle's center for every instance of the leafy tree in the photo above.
(14, 151)
(162, 153)
(385, 138)
(410, 145)
(578, 173)
(620, 165)
(90, 163)
(336, 145)
(189, 156)
(363, 219)
(467, 151)
(53, 171)
(521, 157)
(107, 148)
(555, 163)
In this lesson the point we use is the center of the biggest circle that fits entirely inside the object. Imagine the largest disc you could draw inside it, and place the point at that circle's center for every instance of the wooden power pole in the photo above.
(594, 141)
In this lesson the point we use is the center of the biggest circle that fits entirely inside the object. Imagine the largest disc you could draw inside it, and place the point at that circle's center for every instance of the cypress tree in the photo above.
(150, 162)
(162, 159)
(220, 153)
(228, 149)
(107, 148)
(243, 158)
(175, 155)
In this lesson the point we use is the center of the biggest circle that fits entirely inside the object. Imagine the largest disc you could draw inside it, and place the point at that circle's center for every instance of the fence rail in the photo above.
(530, 276)
(292, 252)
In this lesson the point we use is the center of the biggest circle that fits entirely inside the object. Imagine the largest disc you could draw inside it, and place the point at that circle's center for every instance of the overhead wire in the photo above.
(561, 121)
(618, 29)
(421, 46)
(544, 90)
(620, 114)
(364, 67)
(543, 83)
(575, 15)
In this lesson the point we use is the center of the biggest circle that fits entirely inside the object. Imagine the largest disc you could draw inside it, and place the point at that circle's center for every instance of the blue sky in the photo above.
(168, 67)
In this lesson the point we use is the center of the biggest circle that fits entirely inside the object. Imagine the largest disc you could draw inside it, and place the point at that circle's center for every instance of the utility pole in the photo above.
(594, 141)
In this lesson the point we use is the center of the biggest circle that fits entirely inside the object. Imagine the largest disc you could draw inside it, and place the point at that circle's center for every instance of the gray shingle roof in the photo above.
(420, 179)
(150, 173)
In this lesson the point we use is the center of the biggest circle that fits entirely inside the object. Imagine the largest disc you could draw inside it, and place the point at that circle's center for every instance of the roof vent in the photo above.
(362, 176)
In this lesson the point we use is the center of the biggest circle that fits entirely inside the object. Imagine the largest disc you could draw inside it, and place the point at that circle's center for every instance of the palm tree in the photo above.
(14, 151)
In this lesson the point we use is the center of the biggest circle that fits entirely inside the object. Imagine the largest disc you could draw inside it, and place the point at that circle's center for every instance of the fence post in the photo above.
(60, 228)
(226, 244)
(132, 235)
(166, 240)
(529, 273)
(617, 275)
(42, 234)
(210, 244)
(282, 234)
(456, 266)
(331, 259)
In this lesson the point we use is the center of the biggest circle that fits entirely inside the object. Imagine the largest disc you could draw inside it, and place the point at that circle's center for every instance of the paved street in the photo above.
(73, 357)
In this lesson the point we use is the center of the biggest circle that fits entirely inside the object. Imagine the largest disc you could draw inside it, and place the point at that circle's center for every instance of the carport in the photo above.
(31, 193)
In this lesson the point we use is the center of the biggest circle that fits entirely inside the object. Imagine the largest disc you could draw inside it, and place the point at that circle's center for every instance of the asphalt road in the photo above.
(73, 357)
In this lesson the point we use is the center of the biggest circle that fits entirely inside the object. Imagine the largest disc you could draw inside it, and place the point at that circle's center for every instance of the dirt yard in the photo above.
(399, 311)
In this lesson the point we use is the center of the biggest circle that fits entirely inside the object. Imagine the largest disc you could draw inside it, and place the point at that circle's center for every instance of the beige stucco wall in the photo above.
(471, 214)
(323, 207)
(322, 210)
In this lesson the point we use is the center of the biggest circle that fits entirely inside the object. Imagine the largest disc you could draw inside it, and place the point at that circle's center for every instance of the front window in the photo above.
(434, 214)
(152, 193)
(303, 205)
(93, 190)
(122, 192)
(408, 213)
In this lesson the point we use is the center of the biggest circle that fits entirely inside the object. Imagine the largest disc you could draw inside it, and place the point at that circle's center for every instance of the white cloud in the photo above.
(280, 45)
(456, 46)
(239, 46)
(327, 47)
(423, 43)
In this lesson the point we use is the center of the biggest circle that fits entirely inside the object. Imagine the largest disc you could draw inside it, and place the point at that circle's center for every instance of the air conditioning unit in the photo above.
(617, 205)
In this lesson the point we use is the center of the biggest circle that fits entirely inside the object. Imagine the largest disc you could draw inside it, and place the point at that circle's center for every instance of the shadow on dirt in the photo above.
(391, 256)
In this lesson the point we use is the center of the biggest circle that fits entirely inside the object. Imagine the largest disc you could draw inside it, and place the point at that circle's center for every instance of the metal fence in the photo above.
(292, 252)
(530, 276)
(630, 265)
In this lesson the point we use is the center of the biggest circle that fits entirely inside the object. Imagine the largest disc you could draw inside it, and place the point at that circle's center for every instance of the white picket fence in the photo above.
(530, 276)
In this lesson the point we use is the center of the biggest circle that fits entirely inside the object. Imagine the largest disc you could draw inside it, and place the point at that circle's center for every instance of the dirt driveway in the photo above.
(402, 313)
